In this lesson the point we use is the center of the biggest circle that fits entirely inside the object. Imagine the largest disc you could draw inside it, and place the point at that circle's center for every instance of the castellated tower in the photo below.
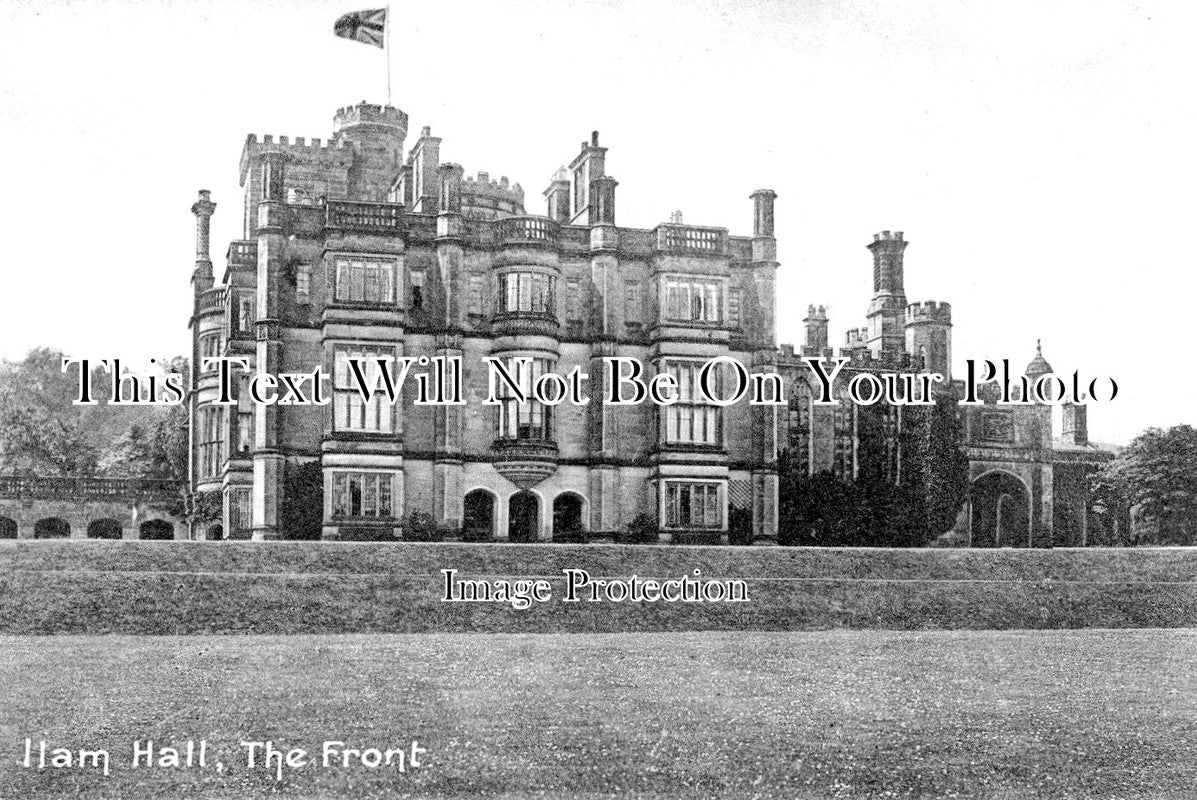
(377, 133)
(929, 337)
(889, 296)
(359, 162)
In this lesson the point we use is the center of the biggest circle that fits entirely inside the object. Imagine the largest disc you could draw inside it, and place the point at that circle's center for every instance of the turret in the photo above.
(929, 337)
(371, 126)
(887, 309)
(485, 198)
(376, 133)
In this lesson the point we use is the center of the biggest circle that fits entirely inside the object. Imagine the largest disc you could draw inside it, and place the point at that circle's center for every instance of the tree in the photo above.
(41, 431)
(1156, 478)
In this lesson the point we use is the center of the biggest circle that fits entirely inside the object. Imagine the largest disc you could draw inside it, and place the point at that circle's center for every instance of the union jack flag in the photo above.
(363, 26)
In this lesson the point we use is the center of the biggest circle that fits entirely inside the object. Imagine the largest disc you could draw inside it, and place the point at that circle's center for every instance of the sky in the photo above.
(1038, 156)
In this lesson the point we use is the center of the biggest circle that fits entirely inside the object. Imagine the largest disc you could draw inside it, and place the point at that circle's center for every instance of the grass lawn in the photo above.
(1005, 714)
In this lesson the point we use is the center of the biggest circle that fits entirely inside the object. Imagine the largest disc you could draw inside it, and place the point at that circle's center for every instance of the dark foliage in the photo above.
(641, 530)
(420, 526)
(739, 525)
(303, 501)
(1155, 477)
(911, 480)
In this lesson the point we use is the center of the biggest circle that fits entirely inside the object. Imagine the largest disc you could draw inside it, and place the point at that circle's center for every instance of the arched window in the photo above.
(1000, 515)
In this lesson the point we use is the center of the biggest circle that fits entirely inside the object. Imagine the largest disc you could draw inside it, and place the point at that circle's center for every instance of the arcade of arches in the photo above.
(523, 516)
(56, 527)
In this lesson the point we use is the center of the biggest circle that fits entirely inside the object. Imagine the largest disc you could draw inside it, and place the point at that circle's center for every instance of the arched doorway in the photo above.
(52, 528)
(8, 528)
(215, 532)
(478, 520)
(104, 529)
(567, 515)
(157, 530)
(523, 517)
(1001, 508)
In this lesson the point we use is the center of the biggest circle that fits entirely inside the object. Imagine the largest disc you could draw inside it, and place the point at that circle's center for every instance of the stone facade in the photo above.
(1028, 489)
(352, 247)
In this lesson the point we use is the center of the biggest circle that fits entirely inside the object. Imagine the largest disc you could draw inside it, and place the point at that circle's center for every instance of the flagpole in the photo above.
(386, 46)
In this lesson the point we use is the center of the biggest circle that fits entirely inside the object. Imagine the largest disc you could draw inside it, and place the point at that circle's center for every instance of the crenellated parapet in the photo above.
(856, 337)
(482, 197)
(931, 311)
(369, 115)
(929, 335)
(320, 154)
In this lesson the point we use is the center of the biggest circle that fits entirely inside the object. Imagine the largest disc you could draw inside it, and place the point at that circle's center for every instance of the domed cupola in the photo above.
(1038, 365)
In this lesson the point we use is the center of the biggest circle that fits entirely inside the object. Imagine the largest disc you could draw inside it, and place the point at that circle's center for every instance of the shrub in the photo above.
(476, 535)
(419, 526)
(449, 533)
(642, 530)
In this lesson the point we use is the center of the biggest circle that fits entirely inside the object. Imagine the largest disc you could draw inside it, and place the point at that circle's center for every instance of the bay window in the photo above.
(693, 504)
(364, 280)
(351, 411)
(693, 419)
(212, 440)
(527, 291)
(693, 299)
(363, 494)
(528, 420)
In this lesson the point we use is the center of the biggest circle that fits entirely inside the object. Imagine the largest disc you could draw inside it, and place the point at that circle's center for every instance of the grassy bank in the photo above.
(294, 588)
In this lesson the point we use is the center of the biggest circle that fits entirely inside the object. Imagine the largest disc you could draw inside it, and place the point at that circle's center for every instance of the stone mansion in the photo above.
(358, 247)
